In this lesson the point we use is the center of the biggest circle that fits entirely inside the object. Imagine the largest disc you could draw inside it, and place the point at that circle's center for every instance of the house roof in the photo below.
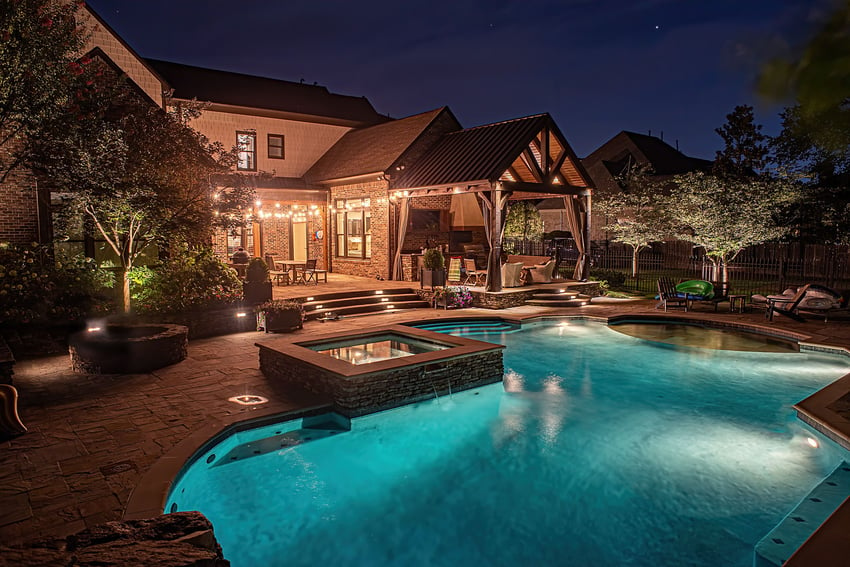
(373, 149)
(225, 87)
(483, 153)
(631, 148)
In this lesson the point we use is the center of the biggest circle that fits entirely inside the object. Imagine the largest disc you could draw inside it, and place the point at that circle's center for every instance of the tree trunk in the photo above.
(125, 289)
(635, 251)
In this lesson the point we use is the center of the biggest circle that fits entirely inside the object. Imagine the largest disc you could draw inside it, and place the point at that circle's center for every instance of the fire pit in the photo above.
(127, 349)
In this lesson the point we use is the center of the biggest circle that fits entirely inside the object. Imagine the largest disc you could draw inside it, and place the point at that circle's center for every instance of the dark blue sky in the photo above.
(598, 66)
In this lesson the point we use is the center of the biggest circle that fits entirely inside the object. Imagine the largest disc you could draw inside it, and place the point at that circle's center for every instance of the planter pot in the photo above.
(257, 292)
(279, 321)
(432, 278)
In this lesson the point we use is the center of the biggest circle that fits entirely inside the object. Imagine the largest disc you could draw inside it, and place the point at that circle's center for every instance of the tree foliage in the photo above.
(137, 174)
(725, 216)
(817, 75)
(523, 221)
(745, 149)
(39, 44)
(639, 213)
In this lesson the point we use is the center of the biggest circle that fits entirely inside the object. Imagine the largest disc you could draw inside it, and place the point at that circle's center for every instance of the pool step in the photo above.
(312, 429)
(558, 298)
(470, 328)
(777, 546)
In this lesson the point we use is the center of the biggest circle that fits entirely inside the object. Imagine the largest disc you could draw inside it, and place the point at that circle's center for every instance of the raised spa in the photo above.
(383, 368)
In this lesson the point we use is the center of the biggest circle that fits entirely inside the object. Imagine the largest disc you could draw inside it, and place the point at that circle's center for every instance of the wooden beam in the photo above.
(531, 164)
(544, 188)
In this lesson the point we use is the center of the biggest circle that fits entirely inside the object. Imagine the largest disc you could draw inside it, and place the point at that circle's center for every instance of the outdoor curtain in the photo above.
(576, 220)
(494, 261)
(403, 213)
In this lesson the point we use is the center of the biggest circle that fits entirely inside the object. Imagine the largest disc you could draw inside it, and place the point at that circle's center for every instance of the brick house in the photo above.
(334, 179)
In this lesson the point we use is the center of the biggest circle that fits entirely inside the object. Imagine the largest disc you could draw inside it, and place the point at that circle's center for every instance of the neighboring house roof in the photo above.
(237, 89)
(484, 153)
(374, 149)
(627, 149)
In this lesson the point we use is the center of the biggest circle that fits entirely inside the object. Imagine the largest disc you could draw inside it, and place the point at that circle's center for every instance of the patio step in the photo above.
(777, 546)
(347, 301)
(364, 308)
(320, 297)
(559, 298)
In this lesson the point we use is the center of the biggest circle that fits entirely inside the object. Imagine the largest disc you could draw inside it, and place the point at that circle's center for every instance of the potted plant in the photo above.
(433, 268)
(258, 286)
(452, 297)
(280, 315)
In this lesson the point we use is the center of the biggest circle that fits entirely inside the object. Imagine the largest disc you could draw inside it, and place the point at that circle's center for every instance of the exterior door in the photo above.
(299, 241)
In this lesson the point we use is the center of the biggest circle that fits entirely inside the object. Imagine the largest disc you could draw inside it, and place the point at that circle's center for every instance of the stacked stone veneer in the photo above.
(514, 297)
(367, 393)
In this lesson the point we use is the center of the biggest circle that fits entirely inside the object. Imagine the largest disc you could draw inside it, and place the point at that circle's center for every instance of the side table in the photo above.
(737, 302)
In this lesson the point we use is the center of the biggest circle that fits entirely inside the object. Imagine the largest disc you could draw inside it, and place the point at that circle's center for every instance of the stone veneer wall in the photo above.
(360, 395)
(511, 298)
(381, 217)
(209, 323)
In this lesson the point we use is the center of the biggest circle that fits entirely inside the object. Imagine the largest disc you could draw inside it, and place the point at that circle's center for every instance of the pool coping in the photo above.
(148, 499)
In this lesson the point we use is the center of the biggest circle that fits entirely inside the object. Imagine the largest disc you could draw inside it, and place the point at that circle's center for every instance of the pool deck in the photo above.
(91, 439)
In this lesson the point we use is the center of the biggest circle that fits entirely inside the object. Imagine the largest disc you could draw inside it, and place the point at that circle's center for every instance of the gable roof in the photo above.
(630, 148)
(374, 149)
(237, 89)
(486, 153)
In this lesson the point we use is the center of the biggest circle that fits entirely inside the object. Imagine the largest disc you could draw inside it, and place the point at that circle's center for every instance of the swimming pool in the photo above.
(599, 449)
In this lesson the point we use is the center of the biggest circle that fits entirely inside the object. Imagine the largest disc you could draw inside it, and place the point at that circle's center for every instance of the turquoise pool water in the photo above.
(600, 449)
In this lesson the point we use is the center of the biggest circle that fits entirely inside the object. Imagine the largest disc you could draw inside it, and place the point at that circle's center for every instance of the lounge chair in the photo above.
(669, 297)
(813, 299)
(512, 274)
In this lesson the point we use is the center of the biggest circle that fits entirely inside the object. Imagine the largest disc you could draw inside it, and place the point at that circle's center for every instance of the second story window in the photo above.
(246, 145)
(276, 146)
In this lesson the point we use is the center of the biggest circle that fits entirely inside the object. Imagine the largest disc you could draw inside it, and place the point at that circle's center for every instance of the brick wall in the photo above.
(381, 219)
(21, 219)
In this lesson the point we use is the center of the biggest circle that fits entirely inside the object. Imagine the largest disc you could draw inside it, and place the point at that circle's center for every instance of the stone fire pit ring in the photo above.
(118, 348)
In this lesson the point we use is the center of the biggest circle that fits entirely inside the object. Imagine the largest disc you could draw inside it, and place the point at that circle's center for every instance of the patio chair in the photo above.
(543, 273)
(512, 274)
(473, 274)
(308, 272)
(277, 275)
(669, 297)
(785, 304)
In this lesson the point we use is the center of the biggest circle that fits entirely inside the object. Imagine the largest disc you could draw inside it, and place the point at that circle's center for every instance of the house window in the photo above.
(246, 146)
(276, 146)
(353, 228)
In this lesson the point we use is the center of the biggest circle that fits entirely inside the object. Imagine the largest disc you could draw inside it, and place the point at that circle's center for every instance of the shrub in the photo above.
(37, 289)
(613, 277)
(279, 306)
(257, 271)
(433, 259)
(189, 280)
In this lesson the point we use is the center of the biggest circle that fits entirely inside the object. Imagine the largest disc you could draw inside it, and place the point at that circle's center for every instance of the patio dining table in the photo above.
(290, 266)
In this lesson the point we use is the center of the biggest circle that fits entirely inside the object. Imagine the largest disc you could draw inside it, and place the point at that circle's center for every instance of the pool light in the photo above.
(812, 442)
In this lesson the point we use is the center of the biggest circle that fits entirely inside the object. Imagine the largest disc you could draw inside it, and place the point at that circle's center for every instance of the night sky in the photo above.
(598, 66)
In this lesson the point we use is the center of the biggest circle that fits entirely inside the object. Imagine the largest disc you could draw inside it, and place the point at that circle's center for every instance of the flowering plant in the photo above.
(277, 306)
(454, 296)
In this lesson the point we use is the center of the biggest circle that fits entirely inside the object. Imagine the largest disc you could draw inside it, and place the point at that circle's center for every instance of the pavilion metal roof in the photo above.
(484, 153)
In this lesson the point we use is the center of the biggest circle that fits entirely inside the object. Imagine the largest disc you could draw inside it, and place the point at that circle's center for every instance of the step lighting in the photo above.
(309, 299)
(241, 314)
(390, 306)
(379, 292)
(385, 299)
(317, 307)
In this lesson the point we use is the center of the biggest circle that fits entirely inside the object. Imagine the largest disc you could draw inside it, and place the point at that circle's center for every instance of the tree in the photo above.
(639, 212)
(724, 216)
(39, 44)
(817, 75)
(138, 175)
(523, 221)
(745, 151)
